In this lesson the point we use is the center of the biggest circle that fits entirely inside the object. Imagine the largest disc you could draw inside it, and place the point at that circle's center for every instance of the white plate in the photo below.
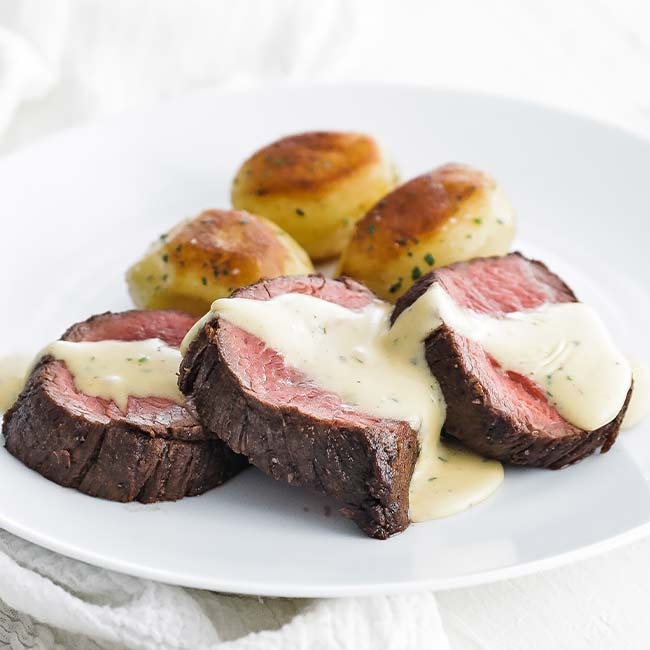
(76, 209)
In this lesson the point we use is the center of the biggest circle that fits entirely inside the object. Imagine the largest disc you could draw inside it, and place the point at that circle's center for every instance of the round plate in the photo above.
(77, 209)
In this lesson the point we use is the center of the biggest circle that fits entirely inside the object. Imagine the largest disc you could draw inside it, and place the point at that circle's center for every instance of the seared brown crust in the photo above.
(164, 459)
(478, 416)
(420, 206)
(367, 468)
(306, 163)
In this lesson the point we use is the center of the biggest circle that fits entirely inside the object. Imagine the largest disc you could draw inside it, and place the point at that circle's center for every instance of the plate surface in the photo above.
(78, 208)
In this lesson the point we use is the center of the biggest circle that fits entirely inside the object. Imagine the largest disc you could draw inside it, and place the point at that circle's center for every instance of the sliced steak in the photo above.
(501, 414)
(290, 428)
(156, 451)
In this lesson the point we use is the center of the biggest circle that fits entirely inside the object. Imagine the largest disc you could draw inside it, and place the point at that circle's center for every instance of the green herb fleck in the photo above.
(428, 258)
(300, 212)
(468, 236)
(432, 478)
(244, 221)
(500, 222)
(143, 359)
(409, 253)
(413, 361)
(443, 459)
(371, 228)
(416, 273)
(165, 258)
(395, 287)
(163, 236)
(204, 281)
(478, 221)
(164, 277)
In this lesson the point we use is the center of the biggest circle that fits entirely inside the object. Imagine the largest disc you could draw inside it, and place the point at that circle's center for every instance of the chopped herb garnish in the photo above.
(179, 248)
(163, 236)
(409, 253)
(442, 458)
(299, 212)
(569, 378)
(165, 258)
(500, 222)
(204, 281)
(413, 361)
(371, 228)
(432, 478)
(468, 236)
(164, 277)
(478, 221)
(243, 222)
(395, 287)
(143, 359)
(428, 258)
(416, 273)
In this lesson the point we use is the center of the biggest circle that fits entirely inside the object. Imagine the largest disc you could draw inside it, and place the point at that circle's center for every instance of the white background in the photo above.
(64, 63)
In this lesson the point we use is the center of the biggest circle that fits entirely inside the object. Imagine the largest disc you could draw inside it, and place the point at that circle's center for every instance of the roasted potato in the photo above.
(208, 257)
(315, 186)
(450, 214)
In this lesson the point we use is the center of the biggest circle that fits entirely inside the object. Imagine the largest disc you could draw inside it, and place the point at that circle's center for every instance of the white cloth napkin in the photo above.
(75, 602)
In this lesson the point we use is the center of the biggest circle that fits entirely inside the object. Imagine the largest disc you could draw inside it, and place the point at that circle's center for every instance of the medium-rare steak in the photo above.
(501, 414)
(155, 451)
(293, 430)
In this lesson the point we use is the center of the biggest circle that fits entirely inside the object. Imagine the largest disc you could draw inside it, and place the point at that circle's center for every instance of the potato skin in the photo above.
(452, 213)
(315, 186)
(208, 257)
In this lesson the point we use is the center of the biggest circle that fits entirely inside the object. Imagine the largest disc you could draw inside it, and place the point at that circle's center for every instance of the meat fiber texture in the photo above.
(156, 451)
(290, 428)
(496, 413)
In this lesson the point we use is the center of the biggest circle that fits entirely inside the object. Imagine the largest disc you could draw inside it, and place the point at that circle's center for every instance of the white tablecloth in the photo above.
(66, 62)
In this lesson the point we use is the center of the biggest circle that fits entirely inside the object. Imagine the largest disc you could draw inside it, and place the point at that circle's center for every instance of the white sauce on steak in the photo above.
(113, 370)
(381, 370)
(563, 347)
(639, 406)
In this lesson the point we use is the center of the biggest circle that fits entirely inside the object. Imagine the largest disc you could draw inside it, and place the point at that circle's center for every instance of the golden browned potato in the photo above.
(450, 214)
(208, 257)
(315, 186)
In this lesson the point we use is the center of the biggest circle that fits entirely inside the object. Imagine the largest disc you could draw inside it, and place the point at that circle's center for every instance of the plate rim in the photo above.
(300, 590)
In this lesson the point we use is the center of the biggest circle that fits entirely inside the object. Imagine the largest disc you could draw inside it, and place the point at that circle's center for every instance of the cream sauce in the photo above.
(380, 370)
(639, 406)
(113, 370)
(565, 348)
(13, 372)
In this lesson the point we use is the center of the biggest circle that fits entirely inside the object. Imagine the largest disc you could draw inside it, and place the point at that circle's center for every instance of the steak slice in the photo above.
(290, 428)
(501, 414)
(156, 451)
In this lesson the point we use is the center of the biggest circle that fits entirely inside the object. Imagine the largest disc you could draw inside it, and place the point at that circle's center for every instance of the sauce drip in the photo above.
(639, 406)
(13, 372)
